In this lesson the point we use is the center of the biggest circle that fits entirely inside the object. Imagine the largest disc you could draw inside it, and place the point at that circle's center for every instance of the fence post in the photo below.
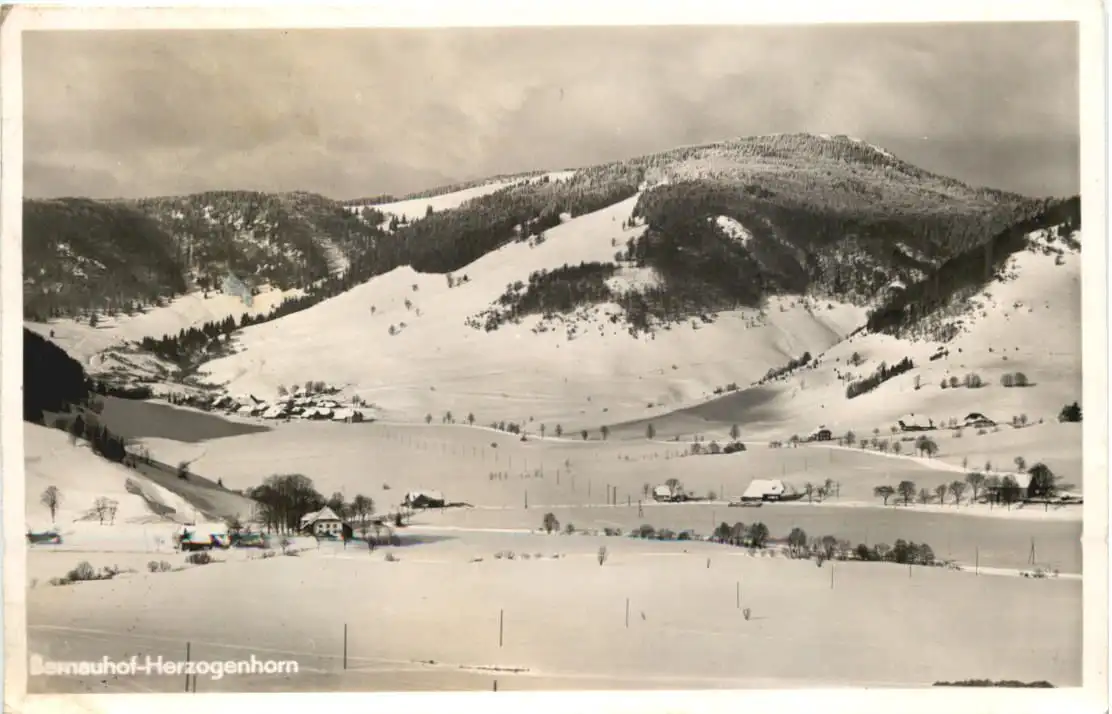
(345, 646)
(627, 613)
(187, 659)
(738, 594)
(501, 621)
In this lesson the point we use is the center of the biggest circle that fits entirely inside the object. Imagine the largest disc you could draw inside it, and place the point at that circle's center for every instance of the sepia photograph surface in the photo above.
(552, 358)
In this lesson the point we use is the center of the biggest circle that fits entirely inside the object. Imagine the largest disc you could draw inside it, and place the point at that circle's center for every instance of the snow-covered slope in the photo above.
(583, 369)
(82, 478)
(103, 349)
(1028, 323)
(415, 208)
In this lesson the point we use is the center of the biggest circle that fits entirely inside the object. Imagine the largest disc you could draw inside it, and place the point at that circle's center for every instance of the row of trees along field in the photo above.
(1043, 484)
(757, 536)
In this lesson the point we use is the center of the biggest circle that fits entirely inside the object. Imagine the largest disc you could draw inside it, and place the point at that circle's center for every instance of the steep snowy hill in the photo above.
(82, 478)
(608, 294)
(1023, 328)
(407, 341)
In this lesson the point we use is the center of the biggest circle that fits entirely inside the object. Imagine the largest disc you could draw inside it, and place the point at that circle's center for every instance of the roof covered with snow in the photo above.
(758, 488)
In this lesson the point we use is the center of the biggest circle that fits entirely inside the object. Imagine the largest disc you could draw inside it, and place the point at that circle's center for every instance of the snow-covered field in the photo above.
(564, 620)
(82, 477)
(460, 461)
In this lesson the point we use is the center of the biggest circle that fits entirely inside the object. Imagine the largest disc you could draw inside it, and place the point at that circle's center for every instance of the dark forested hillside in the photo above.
(130, 254)
(80, 254)
(829, 216)
(448, 240)
(969, 269)
(52, 380)
(287, 240)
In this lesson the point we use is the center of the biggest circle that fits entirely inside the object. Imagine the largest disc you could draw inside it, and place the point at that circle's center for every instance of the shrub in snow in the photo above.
(83, 571)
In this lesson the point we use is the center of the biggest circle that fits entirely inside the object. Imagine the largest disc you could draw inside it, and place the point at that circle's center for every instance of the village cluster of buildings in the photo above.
(296, 405)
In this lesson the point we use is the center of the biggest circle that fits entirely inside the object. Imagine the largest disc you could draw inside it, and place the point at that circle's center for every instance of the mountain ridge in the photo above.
(646, 245)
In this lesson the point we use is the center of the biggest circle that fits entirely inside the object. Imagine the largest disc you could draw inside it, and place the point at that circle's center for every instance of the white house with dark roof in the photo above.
(764, 490)
(324, 522)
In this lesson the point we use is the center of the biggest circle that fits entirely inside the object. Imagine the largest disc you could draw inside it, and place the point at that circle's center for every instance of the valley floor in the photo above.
(563, 620)
(563, 616)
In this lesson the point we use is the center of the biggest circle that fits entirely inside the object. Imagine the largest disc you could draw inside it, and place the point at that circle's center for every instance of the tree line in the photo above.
(549, 291)
(882, 374)
(1043, 484)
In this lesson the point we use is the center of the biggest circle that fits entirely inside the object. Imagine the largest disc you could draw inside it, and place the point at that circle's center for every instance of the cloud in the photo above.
(358, 112)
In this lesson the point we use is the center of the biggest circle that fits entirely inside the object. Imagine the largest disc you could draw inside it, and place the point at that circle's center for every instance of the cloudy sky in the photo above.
(359, 112)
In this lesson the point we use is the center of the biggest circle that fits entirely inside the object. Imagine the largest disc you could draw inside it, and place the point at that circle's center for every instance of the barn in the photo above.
(424, 499)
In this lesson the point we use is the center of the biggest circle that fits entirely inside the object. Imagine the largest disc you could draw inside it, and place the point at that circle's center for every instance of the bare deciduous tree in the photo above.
(51, 498)
(957, 488)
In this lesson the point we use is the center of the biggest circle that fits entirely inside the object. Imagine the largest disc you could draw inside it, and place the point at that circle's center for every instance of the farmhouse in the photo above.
(915, 422)
(821, 434)
(764, 490)
(275, 412)
(665, 493)
(424, 499)
(324, 523)
(977, 420)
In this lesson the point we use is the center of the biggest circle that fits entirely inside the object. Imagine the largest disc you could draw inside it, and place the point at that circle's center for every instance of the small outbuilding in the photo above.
(423, 499)
(663, 493)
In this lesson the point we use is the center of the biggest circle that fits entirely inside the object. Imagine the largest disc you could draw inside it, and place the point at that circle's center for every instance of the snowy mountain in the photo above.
(623, 292)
